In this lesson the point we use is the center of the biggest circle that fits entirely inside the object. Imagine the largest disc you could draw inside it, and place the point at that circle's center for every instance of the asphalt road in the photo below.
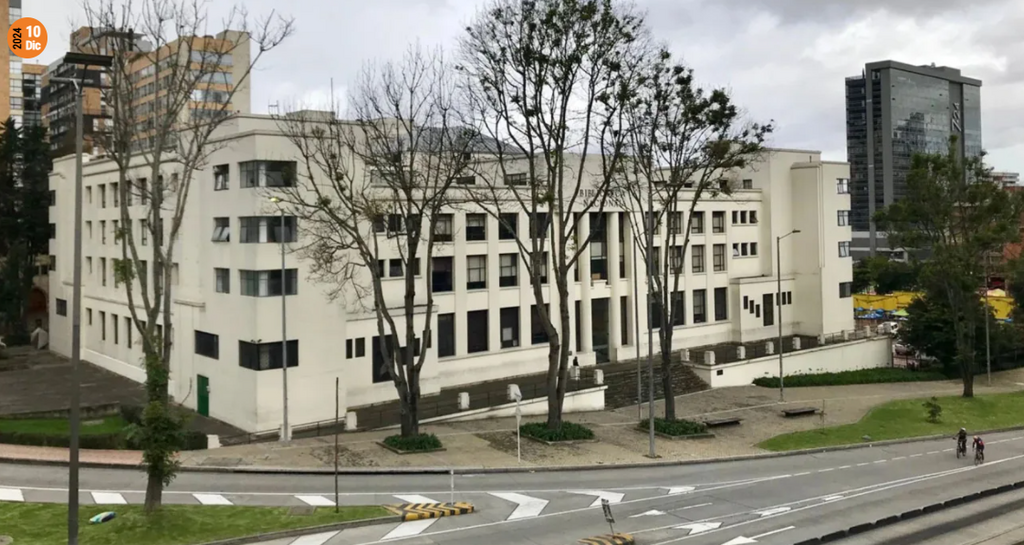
(772, 501)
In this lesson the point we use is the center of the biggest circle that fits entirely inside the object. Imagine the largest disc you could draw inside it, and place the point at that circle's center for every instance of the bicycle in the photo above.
(961, 449)
(979, 456)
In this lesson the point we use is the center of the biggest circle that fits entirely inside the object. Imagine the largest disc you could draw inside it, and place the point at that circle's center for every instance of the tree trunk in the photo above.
(968, 385)
(154, 492)
(404, 408)
(414, 402)
(558, 363)
(554, 415)
(666, 376)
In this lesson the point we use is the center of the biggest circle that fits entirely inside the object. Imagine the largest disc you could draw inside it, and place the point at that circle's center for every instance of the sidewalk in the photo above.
(492, 443)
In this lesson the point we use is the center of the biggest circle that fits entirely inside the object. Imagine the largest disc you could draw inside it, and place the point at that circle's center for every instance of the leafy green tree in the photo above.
(957, 215)
(887, 276)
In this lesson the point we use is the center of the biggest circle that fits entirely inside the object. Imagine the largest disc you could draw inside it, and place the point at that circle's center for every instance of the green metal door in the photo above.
(203, 392)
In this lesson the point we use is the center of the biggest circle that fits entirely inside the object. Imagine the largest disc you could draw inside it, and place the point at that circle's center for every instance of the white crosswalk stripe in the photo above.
(527, 506)
(212, 499)
(11, 494)
(316, 501)
(413, 527)
(612, 497)
(108, 498)
(315, 539)
(414, 498)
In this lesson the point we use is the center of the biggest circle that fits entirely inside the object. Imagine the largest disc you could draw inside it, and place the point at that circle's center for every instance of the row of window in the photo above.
(256, 174)
(258, 283)
(768, 303)
(257, 229)
(256, 356)
(103, 268)
(115, 323)
(144, 230)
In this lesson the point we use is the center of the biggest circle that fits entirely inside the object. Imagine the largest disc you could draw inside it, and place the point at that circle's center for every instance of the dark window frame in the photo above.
(206, 344)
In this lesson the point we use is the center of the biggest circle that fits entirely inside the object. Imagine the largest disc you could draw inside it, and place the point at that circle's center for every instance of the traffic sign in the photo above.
(606, 506)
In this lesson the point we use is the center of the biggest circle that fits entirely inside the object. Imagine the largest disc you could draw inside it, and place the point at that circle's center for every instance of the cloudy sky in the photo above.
(782, 59)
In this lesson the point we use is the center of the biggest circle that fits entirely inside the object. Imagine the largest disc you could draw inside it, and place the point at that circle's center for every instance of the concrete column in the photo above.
(463, 401)
(615, 317)
(741, 352)
(796, 343)
(586, 314)
(769, 348)
(709, 357)
(351, 422)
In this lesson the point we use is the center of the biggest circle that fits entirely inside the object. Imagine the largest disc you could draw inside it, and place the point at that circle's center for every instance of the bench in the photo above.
(717, 422)
(802, 411)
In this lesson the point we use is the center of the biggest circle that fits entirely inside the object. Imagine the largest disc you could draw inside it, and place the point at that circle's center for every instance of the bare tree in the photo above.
(547, 78)
(371, 197)
(170, 87)
(683, 144)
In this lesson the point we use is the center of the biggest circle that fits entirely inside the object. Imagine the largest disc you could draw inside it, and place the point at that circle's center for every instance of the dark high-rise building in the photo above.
(894, 110)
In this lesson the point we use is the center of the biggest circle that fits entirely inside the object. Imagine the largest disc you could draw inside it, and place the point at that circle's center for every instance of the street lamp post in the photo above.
(86, 60)
(286, 432)
(650, 316)
(778, 303)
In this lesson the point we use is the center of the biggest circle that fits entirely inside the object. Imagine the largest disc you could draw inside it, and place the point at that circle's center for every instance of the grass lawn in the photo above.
(907, 418)
(57, 426)
(858, 376)
(45, 524)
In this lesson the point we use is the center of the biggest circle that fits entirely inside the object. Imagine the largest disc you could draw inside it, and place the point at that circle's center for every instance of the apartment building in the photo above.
(11, 105)
(228, 285)
(32, 94)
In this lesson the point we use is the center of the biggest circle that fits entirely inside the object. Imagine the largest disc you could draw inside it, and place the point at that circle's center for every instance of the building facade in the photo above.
(32, 94)
(893, 111)
(228, 285)
(11, 104)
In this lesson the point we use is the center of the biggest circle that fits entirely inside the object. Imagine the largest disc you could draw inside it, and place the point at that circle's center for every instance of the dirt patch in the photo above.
(346, 457)
(505, 441)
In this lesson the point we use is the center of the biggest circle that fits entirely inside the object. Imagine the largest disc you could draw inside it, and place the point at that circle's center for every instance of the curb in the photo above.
(298, 532)
(467, 470)
(912, 514)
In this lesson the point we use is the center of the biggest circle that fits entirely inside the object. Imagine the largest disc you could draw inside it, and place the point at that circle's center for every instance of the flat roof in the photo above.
(942, 72)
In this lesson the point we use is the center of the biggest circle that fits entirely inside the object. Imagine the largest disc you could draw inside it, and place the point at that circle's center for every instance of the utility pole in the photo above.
(286, 432)
(650, 315)
(778, 304)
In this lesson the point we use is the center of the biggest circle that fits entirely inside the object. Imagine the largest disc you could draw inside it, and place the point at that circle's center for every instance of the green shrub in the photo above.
(934, 410)
(416, 443)
(131, 414)
(195, 440)
(675, 428)
(567, 432)
(114, 441)
(860, 376)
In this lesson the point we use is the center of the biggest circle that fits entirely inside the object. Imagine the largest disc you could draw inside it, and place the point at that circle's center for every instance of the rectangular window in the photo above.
(103, 271)
(543, 269)
(679, 308)
(144, 231)
(222, 280)
(465, 180)
(508, 226)
(445, 335)
(718, 222)
(476, 227)
(476, 272)
(62, 307)
(128, 332)
(844, 248)
(395, 267)
(753, 248)
(735, 217)
(442, 277)
(115, 194)
(842, 186)
(113, 322)
(675, 223)
(207, 344)
(747, 184)
(220, 177)
(103, 232)
(268, 283)
(102, 189)
(697, 258)
(476, 331)
(675, 256)
(697, 223)
(539, 225)
(843, 218)
(51, 263)
(360, 347)
(508, 274)
(260, 229)
(538, 333)
(718, 257)
(348, 349)
(267, 174)
(444, 228)
(652, 220)
(265, 356)
(222, 229)
(845, 290)
(700, 306)
(510, 327)
(518, 178)
(753, 216)
(103, 326)
(721, 304)
(768, 317)
(53, 198)
(53, 231)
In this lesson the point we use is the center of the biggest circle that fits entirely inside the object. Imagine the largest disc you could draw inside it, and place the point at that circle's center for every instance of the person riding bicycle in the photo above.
(961, 439)
(979, 446)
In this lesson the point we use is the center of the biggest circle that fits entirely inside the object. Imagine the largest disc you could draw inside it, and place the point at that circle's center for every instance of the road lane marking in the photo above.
(805, 473)
(212, 499)
(773, 532)
(526, 506)
(845, 467)
(414, 498)
(826, 470)
(916, 455)
(699, 527)
(775, 511)
(864, 464)
(612, 497)
(899, 458)
(315, 539)
(651, 513)
(409, 529)
(108, 498)
(11, 494)
(879, 461)
(316, 501)
(933, 452)
(680, 490)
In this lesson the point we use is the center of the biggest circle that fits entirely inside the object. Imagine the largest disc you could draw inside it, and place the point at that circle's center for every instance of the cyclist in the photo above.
(961, 441)
(979, 446)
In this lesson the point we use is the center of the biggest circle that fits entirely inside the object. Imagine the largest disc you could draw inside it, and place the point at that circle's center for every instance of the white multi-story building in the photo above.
(227, 285)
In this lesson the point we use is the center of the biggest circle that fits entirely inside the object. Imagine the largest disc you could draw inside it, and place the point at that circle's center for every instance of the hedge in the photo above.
(567, 432)
(416, 443)
(878, 375)
(675, 428)
(114, 441)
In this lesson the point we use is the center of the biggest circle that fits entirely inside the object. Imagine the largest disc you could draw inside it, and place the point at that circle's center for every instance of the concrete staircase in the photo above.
(621, 380)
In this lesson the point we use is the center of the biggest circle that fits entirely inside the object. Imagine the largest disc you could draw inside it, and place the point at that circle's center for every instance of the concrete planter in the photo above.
(404, 452)
(706, 435)
(572, 442)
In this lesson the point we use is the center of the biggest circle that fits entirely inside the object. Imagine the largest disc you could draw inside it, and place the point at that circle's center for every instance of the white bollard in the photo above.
(598, 377)
(463, 401)
(351, 421)
(769, 348)
(741, 352)
(709, 357)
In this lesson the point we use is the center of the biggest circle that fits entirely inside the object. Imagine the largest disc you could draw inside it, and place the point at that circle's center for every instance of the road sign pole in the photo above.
(606, 506)
(518, 395)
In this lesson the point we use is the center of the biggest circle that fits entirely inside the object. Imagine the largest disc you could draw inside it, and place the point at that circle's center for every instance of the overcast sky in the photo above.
(782, 59)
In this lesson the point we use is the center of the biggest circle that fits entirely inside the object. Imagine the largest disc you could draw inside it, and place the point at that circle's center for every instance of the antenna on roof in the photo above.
(335, 114)
(274, 108)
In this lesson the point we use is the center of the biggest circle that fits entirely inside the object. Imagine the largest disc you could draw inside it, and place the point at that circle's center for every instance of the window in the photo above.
(115, 194)
(518, 178)
(752, 217)
(207, 344)
(62, 307)
(144, 231)
(698, 258)
(222, 229)
(845, 290)
(679, 308)
(51, 264)
(267, 174)
(259, 229)
(445, 335)
(651, 219)
(103, 271)
(843, 217)
(128, 331)
(538, 333)
(442, 277)
(844, 248)
(476, 271)
(508, 274)
(539, 224)
(842, 186)
(103, 326)
(394, 267)
(735, 217)
(476, 331)
(103, 232)
(220, 177)
(700, 306)
(721, 304)
(53, 231)
(675, 223)
(443, 228)
(476, 227)
(264, 356)
(507, 226)
(222, 280)
(697, 223)
(718, 222)
(117, 233)
(509, 327)
(747, 184)
(768, 317)
(718, 257)
(113, 322)
(360, 348)
(675, 256)
(465, 180)
(268, 283)
(753, 248)
(88, 315)
(543, 266)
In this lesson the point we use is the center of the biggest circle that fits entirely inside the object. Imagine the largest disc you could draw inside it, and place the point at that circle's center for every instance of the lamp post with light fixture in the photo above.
(778, 303)
(286, 434)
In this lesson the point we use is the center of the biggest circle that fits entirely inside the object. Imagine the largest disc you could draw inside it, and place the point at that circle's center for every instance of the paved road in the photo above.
(771, 501)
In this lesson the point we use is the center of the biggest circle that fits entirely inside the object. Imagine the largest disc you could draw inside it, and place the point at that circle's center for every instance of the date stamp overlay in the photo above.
(27, 38)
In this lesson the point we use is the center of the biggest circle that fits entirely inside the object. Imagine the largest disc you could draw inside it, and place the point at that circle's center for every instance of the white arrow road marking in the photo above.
(612, 497)
(315, 539)
(413, 527)
(699, 527)
(211, 499)
(741, 540)
(108, 498)
(774, 511)
(651, 513)
(528, 506)
(681, 490)
(315, 501)
(11, 494)
(832, 498)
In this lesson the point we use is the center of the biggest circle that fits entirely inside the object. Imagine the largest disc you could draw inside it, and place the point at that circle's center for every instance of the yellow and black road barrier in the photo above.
(420, 511)
(609, 539)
